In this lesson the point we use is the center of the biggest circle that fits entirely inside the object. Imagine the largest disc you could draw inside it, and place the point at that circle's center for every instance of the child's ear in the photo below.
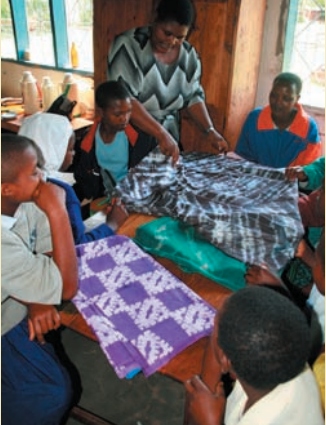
(6, 189)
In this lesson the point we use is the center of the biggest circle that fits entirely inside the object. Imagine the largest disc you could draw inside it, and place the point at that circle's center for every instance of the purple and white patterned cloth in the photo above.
(141, 314)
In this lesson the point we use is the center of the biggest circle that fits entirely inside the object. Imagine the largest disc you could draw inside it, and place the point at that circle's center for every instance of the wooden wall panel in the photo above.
(111, 17)
(247, 43)
(213, 40)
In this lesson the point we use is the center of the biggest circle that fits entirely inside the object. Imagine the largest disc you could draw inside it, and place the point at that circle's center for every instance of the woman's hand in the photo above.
(42, 318)
(203, 406)
(168, 145)
(217, 141)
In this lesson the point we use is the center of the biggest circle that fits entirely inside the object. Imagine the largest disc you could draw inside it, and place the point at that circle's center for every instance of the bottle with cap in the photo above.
(49, 93)
(70, 90)
(30, 93)
(74, 55)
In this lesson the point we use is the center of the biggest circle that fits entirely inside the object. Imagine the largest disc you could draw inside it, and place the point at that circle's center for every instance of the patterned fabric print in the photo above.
(142, 315)
(248, 211)
(161, 88)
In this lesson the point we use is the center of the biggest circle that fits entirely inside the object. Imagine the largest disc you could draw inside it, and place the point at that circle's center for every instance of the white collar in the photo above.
(7, 221)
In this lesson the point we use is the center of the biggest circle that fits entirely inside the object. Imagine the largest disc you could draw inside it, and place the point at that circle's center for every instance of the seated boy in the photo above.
(35, 388)
(112, 145)
(263, 340)
(281, 134)
(314, 295)
(54, 136)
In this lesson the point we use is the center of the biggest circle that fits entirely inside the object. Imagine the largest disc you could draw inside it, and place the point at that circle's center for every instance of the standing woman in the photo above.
(162, 71)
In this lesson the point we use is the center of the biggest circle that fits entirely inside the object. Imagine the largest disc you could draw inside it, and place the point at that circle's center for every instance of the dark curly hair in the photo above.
(264, 335)
(12, 147)
(110, 91)
(289, 78)
(180, 11)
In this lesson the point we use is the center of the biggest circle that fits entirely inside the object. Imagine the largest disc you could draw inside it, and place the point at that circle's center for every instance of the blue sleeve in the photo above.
(76, 221)
(244, 146)
(99, 232)
(313, 135)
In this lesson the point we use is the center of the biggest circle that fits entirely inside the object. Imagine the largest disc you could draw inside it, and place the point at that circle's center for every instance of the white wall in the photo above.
(273, 47)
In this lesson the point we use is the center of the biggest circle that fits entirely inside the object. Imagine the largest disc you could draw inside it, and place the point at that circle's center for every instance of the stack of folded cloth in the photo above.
(141, 314)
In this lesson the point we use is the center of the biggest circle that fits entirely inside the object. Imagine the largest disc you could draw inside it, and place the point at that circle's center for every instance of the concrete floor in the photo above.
(156, 400)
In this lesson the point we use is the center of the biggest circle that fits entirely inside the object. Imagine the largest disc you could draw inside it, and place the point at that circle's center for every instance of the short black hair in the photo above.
(109, 91)
(264, 335)
(180, 11)
(12, 146)
(289, 78)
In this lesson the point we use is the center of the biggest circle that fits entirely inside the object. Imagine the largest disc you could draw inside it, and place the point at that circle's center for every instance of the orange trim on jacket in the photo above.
(299, 126)
(88, 140)
(307, 156)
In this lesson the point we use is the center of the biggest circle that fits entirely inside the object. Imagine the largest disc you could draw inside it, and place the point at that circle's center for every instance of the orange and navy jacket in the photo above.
(87, 172)
(262, 142)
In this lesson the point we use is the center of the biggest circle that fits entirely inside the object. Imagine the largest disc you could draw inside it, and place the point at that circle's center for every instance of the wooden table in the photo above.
(188, 362)
(15, 124)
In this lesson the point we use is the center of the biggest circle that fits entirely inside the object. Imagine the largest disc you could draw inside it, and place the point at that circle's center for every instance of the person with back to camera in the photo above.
(281, 134)
(35, 388)
(111, 146)
(263, 340)
(56, 139)
(162, 71)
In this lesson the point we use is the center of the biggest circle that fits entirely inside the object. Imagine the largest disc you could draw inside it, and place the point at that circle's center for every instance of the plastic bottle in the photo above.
(74, 55)
(30, 93)
(70, 89)
(49, 93)
(67, 79)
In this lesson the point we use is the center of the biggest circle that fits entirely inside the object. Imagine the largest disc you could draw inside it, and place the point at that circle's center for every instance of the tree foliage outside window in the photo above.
(73, 22)
(307, 51)
(8, 48)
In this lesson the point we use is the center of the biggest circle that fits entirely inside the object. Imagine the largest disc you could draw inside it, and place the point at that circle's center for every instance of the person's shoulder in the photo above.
(60, 183)
(254, 113)
(189, 49)
(138, 35)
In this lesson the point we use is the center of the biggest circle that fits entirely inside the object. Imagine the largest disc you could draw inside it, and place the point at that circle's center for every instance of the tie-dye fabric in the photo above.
(248, 211)
(141, 314)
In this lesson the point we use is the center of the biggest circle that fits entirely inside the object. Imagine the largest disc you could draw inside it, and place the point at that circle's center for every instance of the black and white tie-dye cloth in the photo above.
(248, 211)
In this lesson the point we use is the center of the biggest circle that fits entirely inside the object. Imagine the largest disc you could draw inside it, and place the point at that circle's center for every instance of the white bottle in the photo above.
(49, 93)
(30, 93)
(70, 89)
(27, 75)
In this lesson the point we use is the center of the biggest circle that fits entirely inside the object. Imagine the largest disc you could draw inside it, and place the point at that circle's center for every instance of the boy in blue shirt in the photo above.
(112, 145)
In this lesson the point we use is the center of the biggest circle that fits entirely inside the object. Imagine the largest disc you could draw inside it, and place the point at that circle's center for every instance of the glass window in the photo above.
(305, 53)
(8, 48)
(80, 32)
(40, 32)
(44, 31)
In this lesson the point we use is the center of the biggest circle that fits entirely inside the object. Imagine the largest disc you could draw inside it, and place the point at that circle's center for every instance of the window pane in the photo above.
(8, 49)
(308, 56)
(80, 31)
(40, 32)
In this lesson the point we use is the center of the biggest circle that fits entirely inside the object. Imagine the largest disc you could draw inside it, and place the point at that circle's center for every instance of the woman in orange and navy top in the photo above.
(282, 134)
